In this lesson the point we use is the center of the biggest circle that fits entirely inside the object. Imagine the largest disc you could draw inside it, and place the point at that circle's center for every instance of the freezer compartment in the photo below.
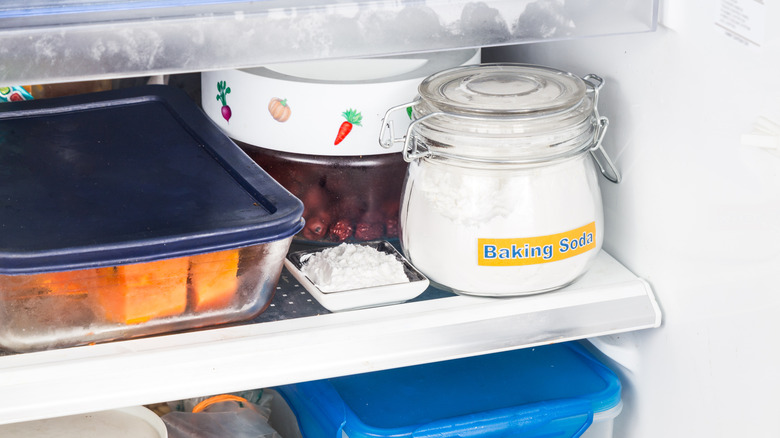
(553, 390)
(128, 213)
(62, 40)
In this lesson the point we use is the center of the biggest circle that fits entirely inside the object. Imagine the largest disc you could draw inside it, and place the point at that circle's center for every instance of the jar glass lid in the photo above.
(509, 112)
(503, 89)
(513, 114)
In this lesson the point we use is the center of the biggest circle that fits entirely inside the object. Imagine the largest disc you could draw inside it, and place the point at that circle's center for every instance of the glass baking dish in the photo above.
(128, 213)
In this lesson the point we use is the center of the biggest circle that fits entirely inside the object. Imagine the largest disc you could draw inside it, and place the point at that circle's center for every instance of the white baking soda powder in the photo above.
(502, 232)
(350, 266)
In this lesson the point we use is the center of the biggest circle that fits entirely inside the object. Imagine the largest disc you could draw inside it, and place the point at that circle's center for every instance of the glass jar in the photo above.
(501, 195)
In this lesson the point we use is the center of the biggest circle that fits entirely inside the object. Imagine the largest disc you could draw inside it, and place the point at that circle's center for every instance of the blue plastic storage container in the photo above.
(549, 391)
(127, 213)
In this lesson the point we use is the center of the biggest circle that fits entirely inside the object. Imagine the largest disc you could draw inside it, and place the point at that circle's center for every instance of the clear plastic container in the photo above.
(501, 196)
(128, 213)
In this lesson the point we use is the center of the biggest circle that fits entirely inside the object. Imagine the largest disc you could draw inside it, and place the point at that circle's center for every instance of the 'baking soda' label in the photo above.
(535, 250)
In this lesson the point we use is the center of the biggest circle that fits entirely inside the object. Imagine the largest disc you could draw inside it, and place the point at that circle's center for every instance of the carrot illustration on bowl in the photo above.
(353, 118)
(222, 91)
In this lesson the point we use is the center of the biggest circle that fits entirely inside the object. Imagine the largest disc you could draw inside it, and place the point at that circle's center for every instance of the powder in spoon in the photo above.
(351, 266)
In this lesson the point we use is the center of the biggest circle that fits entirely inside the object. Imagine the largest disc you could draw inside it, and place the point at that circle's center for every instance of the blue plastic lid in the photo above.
(127, 176)
(544, 391)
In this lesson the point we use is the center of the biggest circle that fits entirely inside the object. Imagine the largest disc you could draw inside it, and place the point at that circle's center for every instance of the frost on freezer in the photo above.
(495, 21)
(256, 33)
(131, 42)
(543, 19)
(538, 19)
(488, 23)
(412, 25)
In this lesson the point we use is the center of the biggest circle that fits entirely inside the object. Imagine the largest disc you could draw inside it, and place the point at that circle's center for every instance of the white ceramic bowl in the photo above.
(133, 422)
(301, 107)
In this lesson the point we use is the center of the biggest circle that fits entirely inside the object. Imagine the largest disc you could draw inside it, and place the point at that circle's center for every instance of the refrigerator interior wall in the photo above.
(39, 42)
(697, 212)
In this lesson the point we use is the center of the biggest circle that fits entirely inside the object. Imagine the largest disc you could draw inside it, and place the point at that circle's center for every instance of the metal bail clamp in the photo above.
(597, 151)
(386, 130)
(609, 171)
(387, 133)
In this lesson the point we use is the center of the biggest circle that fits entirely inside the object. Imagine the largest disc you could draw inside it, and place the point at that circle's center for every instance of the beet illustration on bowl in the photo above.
(222, 91)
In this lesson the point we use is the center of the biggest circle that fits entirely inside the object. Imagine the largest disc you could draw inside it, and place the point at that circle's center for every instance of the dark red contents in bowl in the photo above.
(345, 198)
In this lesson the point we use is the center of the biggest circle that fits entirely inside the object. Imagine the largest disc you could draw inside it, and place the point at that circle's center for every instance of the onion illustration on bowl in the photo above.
(279, 109)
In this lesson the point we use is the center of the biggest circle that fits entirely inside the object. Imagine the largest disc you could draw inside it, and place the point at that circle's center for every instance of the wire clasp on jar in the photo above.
(410, 149)
(387, 132)
(597, 151)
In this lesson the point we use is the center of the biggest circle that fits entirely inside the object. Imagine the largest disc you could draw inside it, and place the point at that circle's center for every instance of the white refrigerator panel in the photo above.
(694, 126)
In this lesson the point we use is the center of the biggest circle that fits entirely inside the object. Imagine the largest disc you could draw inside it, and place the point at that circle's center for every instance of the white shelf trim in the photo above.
(607, 300)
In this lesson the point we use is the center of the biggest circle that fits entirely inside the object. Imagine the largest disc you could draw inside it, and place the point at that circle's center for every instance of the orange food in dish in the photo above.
(133, 294)
(17, 286)
(78, 282)
(214, 279)
(68, 282)
(137, 293)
